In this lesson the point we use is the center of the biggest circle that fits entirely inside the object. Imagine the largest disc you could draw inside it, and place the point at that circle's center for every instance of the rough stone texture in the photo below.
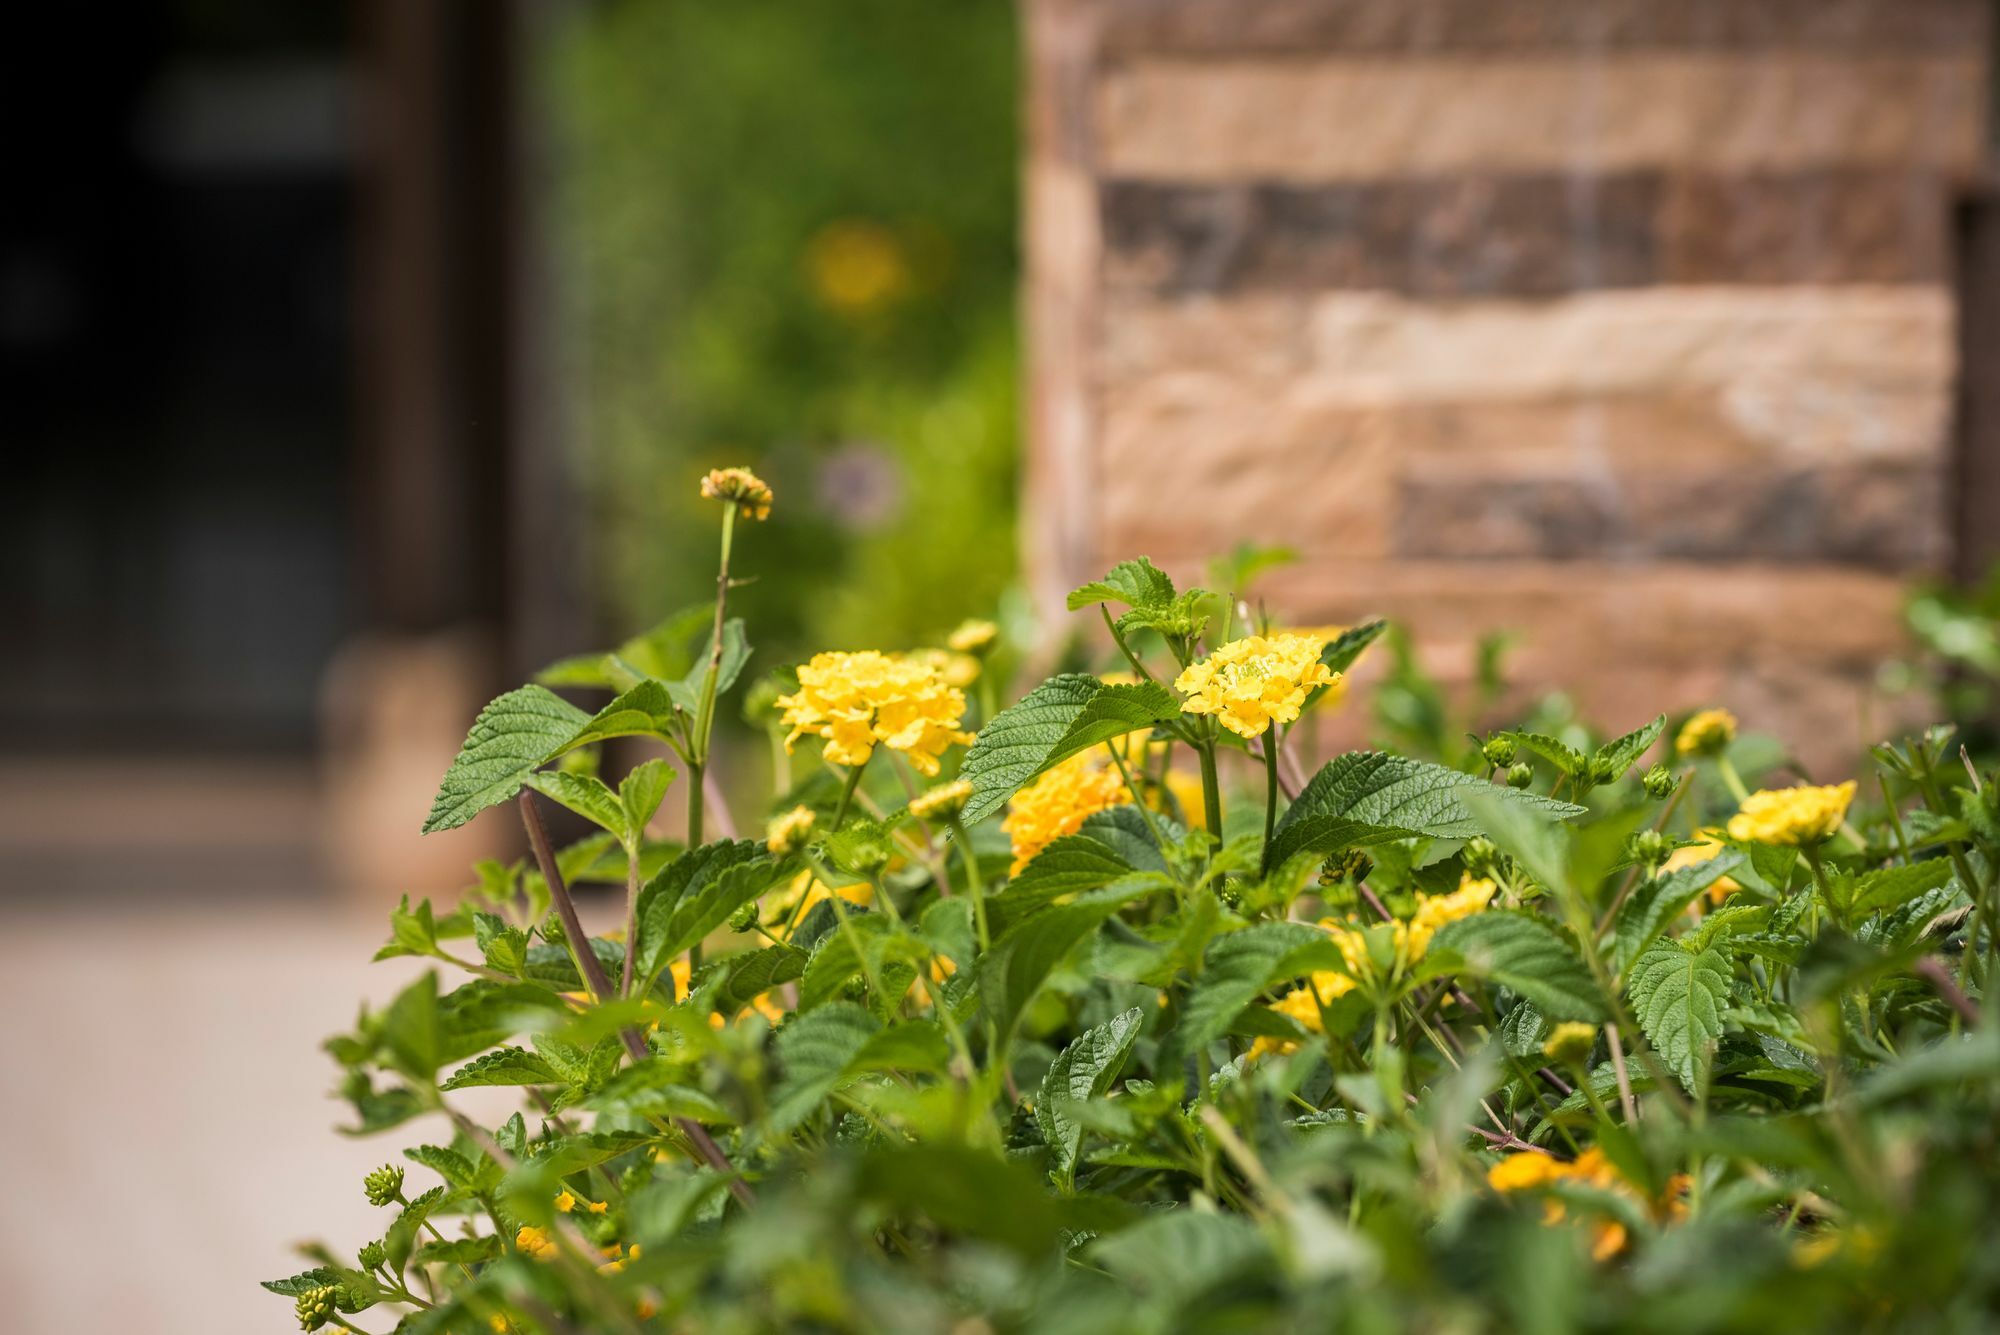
(1535, 234)
(1622, 325)
(1322, 120)
(1286, 27)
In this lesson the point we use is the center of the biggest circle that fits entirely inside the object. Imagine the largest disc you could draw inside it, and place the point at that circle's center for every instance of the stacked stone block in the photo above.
(1626, 325)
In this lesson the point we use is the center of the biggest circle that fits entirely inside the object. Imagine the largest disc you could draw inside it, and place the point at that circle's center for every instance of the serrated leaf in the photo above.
(1180, 615)
(1082, 1071)
(646, 710)
(1620, 754)
(640, 793)
(1566, 758)
(757, 972)
(354, 1291)
(511, 738)
(1372, 796)
(573, 1154)
(585, 794)
(507, 1066)
(656, 1087)
(449, 1164)
(1527, 953)
(1341, 652)
(401, 1235)
(664, 652)
(1068, 865)
(457, 1251)
(1237, 968)
(505, 947)
(813, 1052)
(1129, 833)
(695, 894)
(1678, 998)
(1659, 902)
(1892, 887)
(411, 932)
(1064, 715)
(1137, 583)
(1020, 962)
(1178, 1255)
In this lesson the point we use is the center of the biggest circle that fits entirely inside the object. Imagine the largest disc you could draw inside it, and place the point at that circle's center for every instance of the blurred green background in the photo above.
(793, 238)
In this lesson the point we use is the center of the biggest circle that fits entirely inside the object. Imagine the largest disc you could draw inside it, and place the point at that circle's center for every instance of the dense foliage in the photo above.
(1021, 1019)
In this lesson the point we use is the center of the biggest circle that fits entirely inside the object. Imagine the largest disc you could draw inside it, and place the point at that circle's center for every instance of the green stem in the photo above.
(975, 883)
(1732, 778)
(1270, 797)
(1211, 788)
(695, 811)
(847, 792)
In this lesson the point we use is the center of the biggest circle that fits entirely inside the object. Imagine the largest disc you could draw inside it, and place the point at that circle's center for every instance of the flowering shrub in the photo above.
(1540, 1035)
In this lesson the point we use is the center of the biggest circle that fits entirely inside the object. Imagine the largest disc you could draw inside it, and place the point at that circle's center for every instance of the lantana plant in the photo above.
(1112, 1010)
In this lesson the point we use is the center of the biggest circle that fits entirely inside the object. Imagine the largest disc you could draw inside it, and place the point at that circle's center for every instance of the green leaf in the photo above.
(354, 1290)
(1138, 583)
(1178, 1255)
(1621, 754)
(1062, 716)
(1892, 887)
(411, 932)
(401, 1234)
(647, 710)
(1181, 616)
(1658, 903)
(505, 948)
(1128, 832)
(695, 894)
(507, 1066)
(1239, 967)
(1527, 953)
(410, 1030)
(735, 653)
(585, 794)
(753, 974)
(512, 737)
(456, 1170)
(1083, 1071)
(1372, 796)
(640, 794)
(1678, 998)
(1020, 962)
(664, 653)
(868, 943)
(1340, 652)
(656, 1087)
(458, 1251)
(1566, 758)
(814, 1050)
(1067, 866)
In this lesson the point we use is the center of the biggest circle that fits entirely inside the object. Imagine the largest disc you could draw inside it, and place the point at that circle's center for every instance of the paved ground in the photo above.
(166, 1139)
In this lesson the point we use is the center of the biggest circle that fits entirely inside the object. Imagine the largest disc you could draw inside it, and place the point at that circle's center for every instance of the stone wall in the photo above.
(1623, 324)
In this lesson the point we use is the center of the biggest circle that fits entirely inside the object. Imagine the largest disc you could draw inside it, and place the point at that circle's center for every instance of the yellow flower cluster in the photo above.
(1058, 803)
(1529, 1171)
(1251, 683)
(535, 1243)
(739, 487)
(1792, 816)
(943, 801)
(1412, 939)
(1706, 733)
(972, 637)
(953, 668)
(787, 833)
(1709, 847)
(858, 700)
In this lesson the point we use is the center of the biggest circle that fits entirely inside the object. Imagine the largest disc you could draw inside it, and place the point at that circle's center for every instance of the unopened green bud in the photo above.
(552, 929)
(1351, 866)
(1659, 782)
(744, 918)
(1520, 774)
(1649, 846)
(1499, 751)
(372, 1254)
(383, 1185)
(315, 1307)
(1603, 770)
(1479, 856)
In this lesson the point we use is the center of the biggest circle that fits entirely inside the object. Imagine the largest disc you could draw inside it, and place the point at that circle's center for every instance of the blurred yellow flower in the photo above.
(857, 700)
(1187, 792)
(943, 801)
(797, 899)
(1693, 855)
(1529, 1171)
(535, 1243)
(1706, 733)
(1792, 816)
(1251, 683)
(972, 637)
(1058, 803)
(857, 266)
(741, 488)
(1570, 1041)
(786, 833)
(955, 669)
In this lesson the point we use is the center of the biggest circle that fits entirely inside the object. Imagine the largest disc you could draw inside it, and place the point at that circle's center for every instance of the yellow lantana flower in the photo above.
(1792, 816)
(1693, 855)
(857, 701)
(1706, 733)
(973, 637)
(943, 801)
(1528, 1171)
(1251, 683)
(1057, 804)
(786, 833)
(1570, 1041)
(535, 1243)
(739, 487)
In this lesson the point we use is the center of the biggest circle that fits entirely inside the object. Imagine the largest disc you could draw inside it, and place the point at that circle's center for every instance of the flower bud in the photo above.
(1520, 774)
(315, 1307)
(744, 918)
(552, 929)
(787, 834)
(1353, 867)
(372, 1255)
(1499, 751)
(973, 637)
(1570, 1043)
(1603, 769)
(1659, 782)
(1480, 857)
(383, 1185)
(1649, 846)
